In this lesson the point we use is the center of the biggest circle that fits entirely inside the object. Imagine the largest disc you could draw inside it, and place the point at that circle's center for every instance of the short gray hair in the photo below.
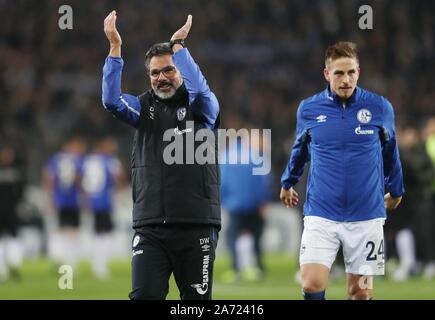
(158, 49)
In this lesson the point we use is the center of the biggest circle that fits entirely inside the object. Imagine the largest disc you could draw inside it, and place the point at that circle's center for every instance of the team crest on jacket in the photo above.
(364, 116)
(181, 113)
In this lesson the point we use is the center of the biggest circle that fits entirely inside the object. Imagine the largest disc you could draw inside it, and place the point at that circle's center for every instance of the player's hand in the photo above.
(184, 30)
(110, 30)
(289, 198)
(390, 202)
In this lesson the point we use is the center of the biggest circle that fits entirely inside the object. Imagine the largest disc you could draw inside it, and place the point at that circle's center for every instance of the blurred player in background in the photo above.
(348, 135)
(244, 196)
(12, 181)
(102, 172)
(429, 141)
(61, 181)
(411, 229)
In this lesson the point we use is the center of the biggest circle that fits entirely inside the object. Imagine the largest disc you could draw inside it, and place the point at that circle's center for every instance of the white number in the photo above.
(94, 177)
(67, 172)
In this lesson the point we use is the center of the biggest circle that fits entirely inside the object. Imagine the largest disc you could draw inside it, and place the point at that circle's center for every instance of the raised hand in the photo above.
(112, 34)
(184, 30)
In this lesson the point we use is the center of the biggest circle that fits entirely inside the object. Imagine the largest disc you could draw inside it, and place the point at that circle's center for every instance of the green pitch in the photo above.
(39, 280)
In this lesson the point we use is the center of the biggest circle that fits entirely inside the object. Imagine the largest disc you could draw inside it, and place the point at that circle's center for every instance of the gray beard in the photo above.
(167, 95)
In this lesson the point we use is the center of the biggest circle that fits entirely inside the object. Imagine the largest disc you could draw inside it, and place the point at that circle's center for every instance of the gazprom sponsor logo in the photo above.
(360, 131)
(203, 288)
(136, 252)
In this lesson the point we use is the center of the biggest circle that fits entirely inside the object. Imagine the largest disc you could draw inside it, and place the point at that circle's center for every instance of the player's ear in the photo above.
(326, 73)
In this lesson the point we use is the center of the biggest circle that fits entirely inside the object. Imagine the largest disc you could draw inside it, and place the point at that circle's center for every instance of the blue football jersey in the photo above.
(353, 152)
(99, 177)
(65, 168)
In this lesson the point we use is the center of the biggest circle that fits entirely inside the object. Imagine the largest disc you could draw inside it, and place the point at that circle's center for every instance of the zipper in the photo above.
(344, 158)
(162, 193)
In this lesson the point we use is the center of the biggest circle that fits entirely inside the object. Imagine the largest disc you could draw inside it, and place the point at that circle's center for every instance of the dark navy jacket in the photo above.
(169, 193)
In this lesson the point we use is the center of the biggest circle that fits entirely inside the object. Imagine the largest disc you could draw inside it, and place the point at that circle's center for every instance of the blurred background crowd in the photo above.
(260, 57)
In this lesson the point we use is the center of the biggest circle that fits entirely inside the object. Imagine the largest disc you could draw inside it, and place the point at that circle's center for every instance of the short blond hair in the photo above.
(342, 49)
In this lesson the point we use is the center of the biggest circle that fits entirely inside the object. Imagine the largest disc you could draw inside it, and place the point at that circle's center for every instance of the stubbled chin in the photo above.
(346, 94)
